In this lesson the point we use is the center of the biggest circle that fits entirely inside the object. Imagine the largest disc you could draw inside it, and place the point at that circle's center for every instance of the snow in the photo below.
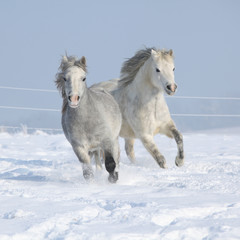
(43, 194)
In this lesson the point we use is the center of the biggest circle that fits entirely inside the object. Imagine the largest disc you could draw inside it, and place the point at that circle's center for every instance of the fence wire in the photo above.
(58, 110)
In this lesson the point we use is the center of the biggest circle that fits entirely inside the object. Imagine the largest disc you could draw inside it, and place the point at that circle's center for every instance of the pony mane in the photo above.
(131, 66)
(66, 63)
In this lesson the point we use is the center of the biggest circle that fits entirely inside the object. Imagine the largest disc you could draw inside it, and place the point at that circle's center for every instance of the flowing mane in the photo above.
(66, 63)
(131, 66)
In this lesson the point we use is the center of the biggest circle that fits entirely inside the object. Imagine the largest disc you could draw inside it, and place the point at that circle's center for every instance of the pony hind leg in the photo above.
(97, 157)
(129, 148)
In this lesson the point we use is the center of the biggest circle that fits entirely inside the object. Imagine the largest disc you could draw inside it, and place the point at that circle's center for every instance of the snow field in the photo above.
(43, 194)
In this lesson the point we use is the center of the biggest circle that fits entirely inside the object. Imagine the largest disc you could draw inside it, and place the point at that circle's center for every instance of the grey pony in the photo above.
(140, 94)
(91, 118)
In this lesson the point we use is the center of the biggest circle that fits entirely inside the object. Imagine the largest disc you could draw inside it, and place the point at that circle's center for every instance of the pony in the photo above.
(91, 118)
(140, 94)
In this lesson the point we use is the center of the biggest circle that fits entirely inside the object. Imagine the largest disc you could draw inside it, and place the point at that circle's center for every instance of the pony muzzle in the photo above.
(171, 89)
(73, 101)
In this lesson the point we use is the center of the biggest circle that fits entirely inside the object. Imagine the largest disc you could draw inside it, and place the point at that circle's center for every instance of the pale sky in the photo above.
(204, 36)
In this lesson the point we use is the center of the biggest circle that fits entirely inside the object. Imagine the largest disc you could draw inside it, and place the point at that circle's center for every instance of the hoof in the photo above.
(113, 177)
(162, 163)
(179, 161)
(132, 159)
(164, 166)
(88, 175)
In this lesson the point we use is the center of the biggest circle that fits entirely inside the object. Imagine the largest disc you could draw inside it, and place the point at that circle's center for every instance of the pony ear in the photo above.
(83, 61)
(153, 52)
(170, 52)
(64, 59)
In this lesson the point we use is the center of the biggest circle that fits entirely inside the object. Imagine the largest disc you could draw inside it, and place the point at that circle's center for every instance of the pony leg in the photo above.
(152, 148)
(129, 143)
(179, 161)
(97, 157)
(112, 162)
(84, 158)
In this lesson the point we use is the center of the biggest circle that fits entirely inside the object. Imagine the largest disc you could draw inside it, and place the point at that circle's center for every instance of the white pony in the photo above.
(140, 95)
(91, 118)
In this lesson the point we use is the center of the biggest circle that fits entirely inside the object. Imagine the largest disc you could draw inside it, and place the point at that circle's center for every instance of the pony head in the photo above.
(163, 70)
(71, 80)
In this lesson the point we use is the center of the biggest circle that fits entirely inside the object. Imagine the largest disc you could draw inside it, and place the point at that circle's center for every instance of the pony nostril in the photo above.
(172, 87)
(73, 99)
(169, 87)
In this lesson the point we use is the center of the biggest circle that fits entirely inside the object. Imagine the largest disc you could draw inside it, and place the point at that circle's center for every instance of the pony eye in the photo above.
(64, 79)
(173, 69)
(157, 70)
(84, 79)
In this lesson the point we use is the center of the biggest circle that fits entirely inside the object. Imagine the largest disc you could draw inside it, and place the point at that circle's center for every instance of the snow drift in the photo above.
(43, 194)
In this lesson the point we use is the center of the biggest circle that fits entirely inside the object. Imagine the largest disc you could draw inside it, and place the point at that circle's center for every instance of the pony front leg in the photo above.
(179, 140)
(84, 158)
(152, 148)
(112, 156)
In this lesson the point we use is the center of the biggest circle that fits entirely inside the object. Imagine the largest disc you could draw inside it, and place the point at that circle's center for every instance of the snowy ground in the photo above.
(43, 194)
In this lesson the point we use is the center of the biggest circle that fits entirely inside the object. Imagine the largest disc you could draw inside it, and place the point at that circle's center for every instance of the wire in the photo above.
(205, 98)
(29, 89)
(31, 128)
(173, 114)
(180, 97)
(204, 115)
(32, 109)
